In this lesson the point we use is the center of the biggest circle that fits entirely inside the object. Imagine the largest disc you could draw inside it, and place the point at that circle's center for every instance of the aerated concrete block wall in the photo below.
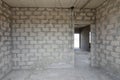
(5, 40)
(108, 36)
(31, 37)
(44, 36)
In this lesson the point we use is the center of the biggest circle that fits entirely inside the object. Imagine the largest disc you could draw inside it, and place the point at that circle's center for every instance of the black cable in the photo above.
(60, 3)
(55, 3)
(75, 3)
(85, 4)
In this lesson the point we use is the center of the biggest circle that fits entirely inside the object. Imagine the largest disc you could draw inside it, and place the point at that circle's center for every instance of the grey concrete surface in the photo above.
(85, 38)
(82, 71)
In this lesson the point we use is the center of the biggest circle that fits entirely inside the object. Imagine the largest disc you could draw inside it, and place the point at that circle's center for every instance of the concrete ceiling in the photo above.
(54, 3)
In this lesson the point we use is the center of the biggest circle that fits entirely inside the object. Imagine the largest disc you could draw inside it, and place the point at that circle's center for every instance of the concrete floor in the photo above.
(82, 71)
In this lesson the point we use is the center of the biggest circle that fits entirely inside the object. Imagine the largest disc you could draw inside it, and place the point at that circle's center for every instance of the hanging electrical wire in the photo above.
(73, 12)
(60, 3)
(55, 3)
(87, 2)
(75, 2)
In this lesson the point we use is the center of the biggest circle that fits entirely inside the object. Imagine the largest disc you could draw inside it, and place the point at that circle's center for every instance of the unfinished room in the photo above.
(59, 39)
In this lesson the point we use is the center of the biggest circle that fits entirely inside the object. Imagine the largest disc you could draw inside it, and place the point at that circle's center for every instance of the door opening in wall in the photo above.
(82, 42)
(76, 40)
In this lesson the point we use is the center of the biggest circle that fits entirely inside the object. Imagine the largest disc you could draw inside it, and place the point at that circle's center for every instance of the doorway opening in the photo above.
(82, 38)
(82, 45)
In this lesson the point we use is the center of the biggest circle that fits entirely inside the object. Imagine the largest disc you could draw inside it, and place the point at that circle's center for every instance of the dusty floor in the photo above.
(82, 71)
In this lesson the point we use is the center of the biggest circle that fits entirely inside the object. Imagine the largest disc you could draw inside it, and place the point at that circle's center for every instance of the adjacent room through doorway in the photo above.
(82, 42)
(82, 38)
(76, 40)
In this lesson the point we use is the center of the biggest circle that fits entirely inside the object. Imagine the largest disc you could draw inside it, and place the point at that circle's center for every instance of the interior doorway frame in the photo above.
(92, 55)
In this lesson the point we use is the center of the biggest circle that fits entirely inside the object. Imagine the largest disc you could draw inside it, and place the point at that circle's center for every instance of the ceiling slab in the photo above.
(54, 3)
(95, 3)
